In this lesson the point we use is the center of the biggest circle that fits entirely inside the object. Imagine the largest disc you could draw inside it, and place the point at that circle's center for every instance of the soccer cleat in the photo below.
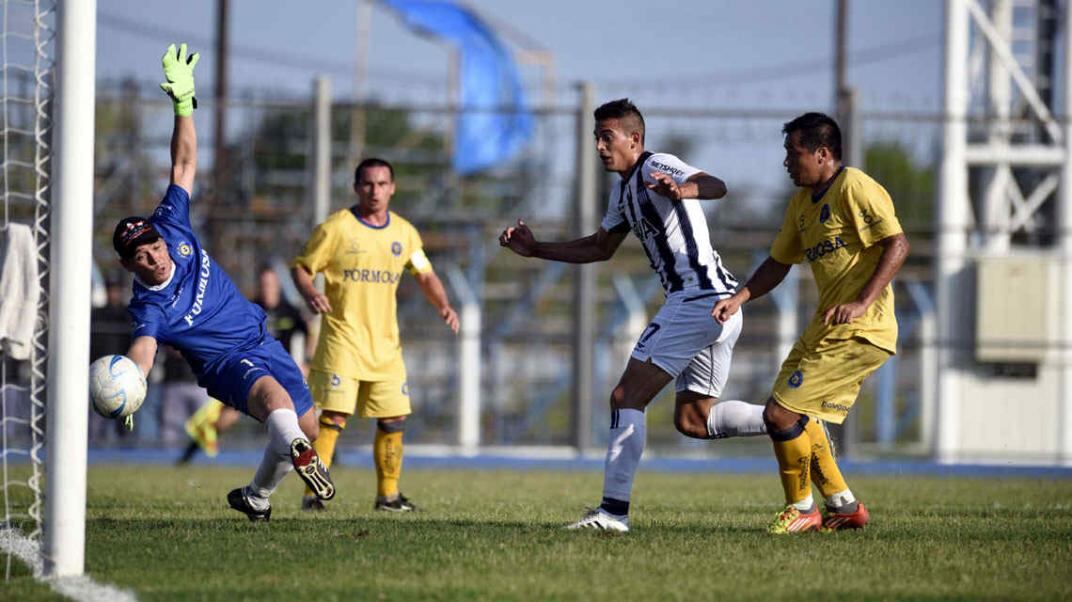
(792, 520)
(237, 499)
(601, 520)
(851, 520)
(311, 469)
(311, 503)
(399, 503)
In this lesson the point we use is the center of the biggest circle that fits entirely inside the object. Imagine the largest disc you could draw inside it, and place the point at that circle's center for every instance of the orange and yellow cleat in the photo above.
(792, 520)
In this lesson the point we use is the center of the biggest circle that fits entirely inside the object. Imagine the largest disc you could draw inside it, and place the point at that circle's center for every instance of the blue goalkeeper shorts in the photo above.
(230, 379)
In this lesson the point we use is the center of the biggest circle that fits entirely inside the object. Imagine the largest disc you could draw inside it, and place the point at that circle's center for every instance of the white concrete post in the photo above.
(469, 364)
(952, 225)
(72, 266)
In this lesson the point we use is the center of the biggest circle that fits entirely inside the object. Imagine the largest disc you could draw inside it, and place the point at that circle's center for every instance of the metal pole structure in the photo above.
(928, 379)
(358, 117)
(845, 436)
(1064, 221)
(71, 265)
(469, 371)
(219, 133)
(952, 227)
(787, 302)
(321, 149)
(584, 279)
(996, 235)
(847, 117)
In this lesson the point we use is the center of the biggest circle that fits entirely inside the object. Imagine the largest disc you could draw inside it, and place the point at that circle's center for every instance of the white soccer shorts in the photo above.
(686, 342)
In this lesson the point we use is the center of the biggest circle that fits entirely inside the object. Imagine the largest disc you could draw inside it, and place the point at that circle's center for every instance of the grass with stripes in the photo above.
(166, 534)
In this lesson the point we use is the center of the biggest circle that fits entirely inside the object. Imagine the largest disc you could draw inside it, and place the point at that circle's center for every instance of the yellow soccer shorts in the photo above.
(824, 381)
(370, 399)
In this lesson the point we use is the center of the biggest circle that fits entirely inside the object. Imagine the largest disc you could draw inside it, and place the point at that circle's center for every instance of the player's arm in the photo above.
(183, 153)
(894, 252)
(179, 73)
(600, 246)
(316, 300)
(766, 277)
(143, 352)
(433, 290)
(698, 186)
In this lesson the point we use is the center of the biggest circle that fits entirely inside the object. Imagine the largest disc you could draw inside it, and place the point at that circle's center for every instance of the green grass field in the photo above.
(166, 534)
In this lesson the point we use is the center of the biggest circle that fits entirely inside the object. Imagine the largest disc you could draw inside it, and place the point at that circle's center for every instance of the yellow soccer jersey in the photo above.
(836, 234)
(362, 265)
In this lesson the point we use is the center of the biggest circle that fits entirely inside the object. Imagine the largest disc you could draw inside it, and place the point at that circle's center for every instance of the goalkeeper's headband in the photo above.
(131, 233)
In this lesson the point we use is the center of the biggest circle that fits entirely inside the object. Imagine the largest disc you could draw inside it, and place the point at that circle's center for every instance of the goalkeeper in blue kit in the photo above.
(182, 298)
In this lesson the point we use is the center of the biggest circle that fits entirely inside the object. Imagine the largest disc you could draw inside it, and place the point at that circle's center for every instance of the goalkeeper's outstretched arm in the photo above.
(179, 73)
(184, 153)
(143, 351)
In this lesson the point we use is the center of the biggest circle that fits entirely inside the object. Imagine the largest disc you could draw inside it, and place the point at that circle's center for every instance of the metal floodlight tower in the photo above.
(1004, 140)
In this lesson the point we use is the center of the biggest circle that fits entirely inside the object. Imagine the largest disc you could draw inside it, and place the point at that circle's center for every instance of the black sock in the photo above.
(615, 507)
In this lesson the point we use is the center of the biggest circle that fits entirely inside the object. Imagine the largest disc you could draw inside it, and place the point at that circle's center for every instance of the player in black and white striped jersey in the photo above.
(657, 198)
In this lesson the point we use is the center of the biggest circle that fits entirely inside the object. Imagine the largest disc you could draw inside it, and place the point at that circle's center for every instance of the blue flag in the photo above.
(494, 123)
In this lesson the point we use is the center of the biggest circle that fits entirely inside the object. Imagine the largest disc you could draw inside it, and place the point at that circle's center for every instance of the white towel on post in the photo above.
(20, 290)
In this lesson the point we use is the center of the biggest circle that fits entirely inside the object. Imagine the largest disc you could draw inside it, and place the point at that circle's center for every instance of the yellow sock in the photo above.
(387, 455)
(325, 443)
(792, 447)
(824, 469)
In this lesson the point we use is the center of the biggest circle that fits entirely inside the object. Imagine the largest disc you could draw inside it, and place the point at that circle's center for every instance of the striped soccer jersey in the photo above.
(674, 233)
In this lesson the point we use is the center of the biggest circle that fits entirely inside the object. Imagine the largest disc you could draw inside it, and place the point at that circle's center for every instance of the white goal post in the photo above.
(71, 266)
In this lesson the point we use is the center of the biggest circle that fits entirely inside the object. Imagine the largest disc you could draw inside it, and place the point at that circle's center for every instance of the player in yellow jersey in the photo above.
(362, 252)
(843, 224)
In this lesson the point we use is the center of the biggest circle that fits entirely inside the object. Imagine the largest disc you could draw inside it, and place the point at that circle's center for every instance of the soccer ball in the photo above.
(116, 386)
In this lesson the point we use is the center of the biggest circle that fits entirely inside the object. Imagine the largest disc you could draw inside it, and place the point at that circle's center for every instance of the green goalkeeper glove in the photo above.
(179, 73)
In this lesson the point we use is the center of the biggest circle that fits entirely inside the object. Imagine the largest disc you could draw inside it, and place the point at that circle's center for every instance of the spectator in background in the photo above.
(287, 325)
(285, 322)
(181, 397)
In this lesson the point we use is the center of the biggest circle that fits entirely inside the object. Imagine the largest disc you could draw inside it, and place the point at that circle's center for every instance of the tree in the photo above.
(911, 185)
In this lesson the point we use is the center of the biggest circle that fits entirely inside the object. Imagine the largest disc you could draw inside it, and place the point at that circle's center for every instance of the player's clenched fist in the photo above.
(725, 308)
(519, 239)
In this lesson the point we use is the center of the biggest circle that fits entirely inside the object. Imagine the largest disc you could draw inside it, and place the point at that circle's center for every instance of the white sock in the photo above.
(840, 499)
(276, 463)
(805, 504)
(282, 429)
(270, 473)
(627, 433)
(735, 419)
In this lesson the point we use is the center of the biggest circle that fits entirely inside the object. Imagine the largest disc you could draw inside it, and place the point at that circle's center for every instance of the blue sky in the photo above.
(638, 42)
(772, 54)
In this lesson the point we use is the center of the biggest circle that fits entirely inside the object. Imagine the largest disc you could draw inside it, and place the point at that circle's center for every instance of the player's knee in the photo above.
(782, 424)
(333, 421)
(690, 423)
(623, 398)
(391, 426)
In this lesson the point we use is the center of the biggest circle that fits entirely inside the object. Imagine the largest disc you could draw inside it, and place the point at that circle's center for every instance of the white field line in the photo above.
(79, 588)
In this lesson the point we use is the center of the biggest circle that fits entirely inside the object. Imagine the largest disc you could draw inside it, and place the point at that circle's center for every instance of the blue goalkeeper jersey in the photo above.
(199, 310)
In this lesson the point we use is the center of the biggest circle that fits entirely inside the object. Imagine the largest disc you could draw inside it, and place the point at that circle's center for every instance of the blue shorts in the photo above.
(230, 379)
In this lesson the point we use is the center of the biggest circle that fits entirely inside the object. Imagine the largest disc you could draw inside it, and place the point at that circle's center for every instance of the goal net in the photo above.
(26, 61)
